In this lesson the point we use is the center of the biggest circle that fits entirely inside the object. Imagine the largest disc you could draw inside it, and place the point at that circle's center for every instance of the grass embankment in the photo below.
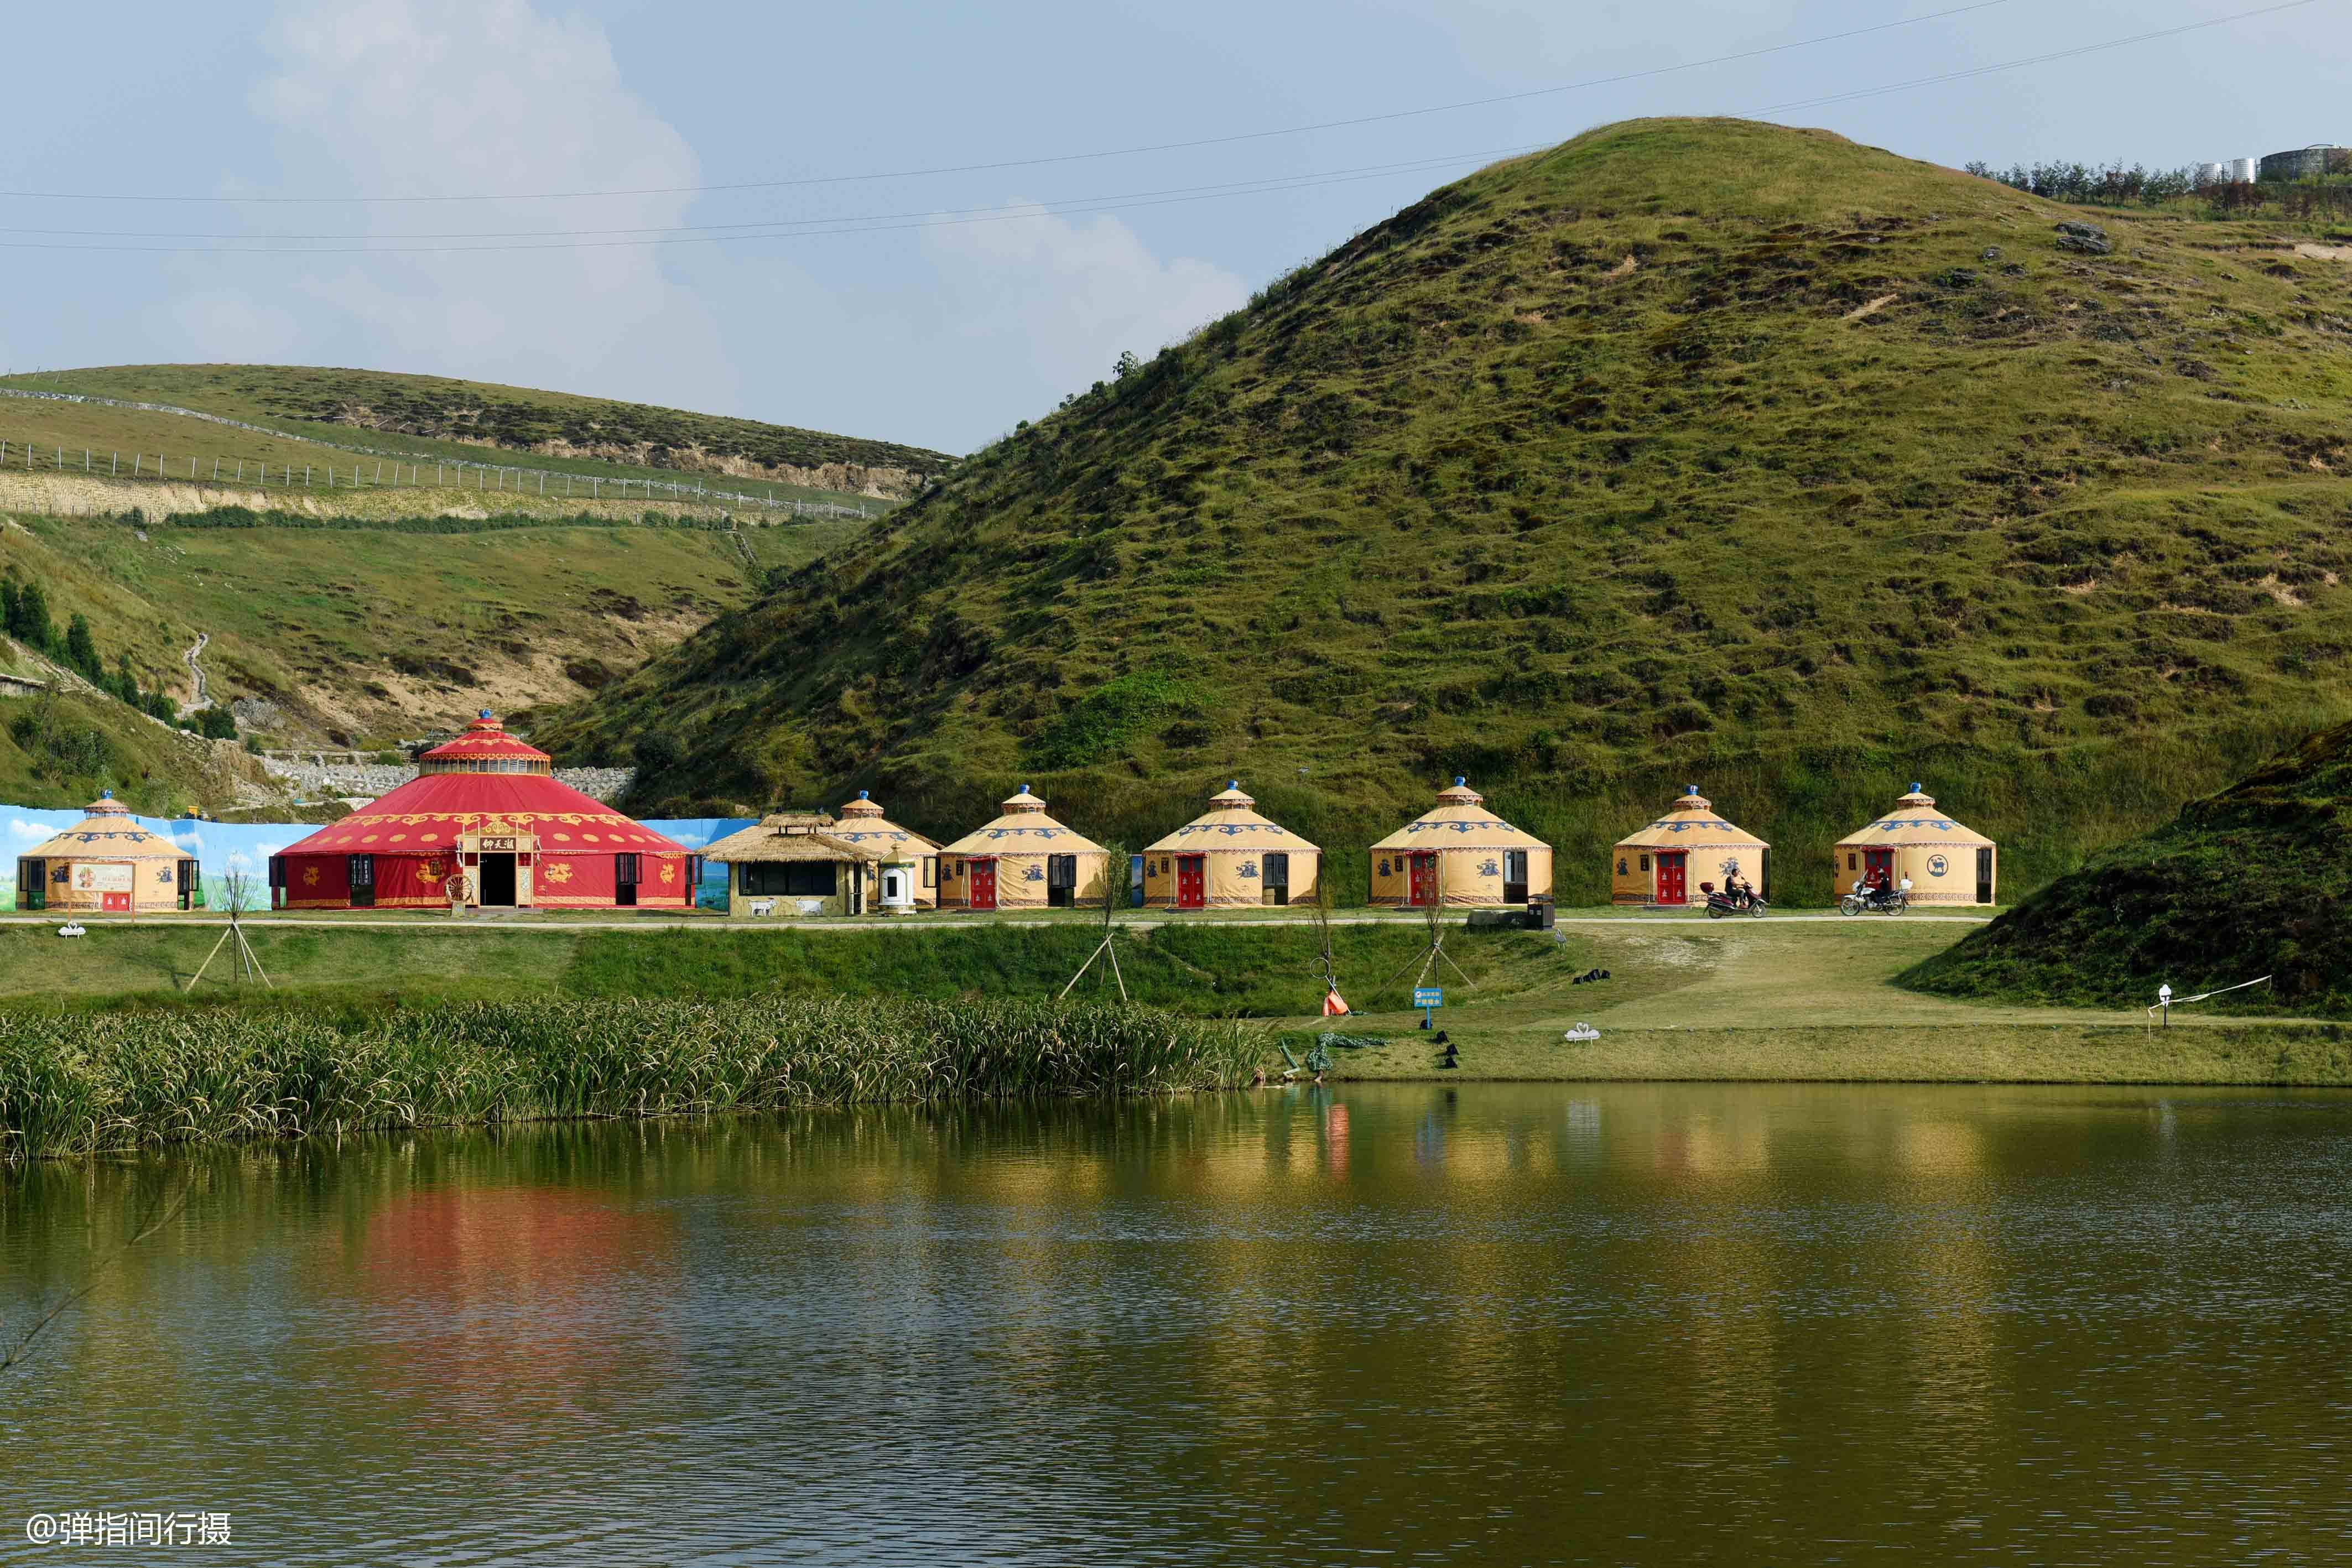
(437, 416)
(1688, 450)
(2247, 884)
(1686, 1001)
(78, 1085)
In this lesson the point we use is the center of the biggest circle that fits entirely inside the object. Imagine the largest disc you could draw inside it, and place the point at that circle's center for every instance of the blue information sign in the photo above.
(1428, 996)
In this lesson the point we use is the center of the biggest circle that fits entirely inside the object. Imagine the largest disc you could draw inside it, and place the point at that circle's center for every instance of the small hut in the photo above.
(107, 865)
(909, 874)
(792, 865)
(1666, 862)
(1946, 861)
(1229, 857)
(1023, 860)
(1459, 852)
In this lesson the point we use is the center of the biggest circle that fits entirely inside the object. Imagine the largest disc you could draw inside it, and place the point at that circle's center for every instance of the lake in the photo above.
(1495, 1323)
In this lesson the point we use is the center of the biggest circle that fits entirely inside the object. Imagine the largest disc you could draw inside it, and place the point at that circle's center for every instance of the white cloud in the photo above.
(414, 96)
(1062, 299)
(33, 833)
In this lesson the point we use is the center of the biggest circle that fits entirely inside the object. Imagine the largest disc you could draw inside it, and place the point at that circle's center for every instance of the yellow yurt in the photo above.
(1229, 856)
(1946, 861)
(862, 823)
(107, 865)
(1023, 860)
(1665, 862)
(1460, 852)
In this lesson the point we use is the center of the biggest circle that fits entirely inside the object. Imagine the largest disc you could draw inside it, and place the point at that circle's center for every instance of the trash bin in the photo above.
(1540, 912)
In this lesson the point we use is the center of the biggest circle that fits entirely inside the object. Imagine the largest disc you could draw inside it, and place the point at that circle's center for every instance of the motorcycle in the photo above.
(1720, 905)
(1877, 901)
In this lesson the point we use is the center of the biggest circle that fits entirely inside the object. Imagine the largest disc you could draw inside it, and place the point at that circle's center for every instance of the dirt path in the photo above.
(204, 699)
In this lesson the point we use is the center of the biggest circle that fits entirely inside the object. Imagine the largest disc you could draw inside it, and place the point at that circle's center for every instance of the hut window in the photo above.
(1061, 870)
(930, 871)
(1515, 876)
(790, 879)
(362, 869)
(1277, 869)
(1849, 862)
(1645, 863)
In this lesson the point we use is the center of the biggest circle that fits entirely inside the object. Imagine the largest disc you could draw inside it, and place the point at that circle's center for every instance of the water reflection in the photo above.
(1619, 1323)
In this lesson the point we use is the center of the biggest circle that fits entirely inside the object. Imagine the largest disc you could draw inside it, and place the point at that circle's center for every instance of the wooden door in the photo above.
(1674, 871)
(1878, 867)
(1424, 877)
(1191, 881)
(983, 883)
(1984, 876)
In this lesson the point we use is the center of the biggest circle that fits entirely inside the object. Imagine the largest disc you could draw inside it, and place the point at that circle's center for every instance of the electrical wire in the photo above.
(1392, 115)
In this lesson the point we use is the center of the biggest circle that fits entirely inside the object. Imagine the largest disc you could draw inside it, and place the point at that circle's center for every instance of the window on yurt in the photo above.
(1645, 865)
(361, 871)
(930, 871)
(33, 884)
(1061, 880)
(1515, 876)
(1278, 877)
(1984, 875)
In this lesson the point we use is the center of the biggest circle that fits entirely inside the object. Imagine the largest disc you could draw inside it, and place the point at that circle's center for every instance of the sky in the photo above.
(950, 228)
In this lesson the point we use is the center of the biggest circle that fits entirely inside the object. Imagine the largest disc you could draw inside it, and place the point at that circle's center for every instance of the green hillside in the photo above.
(1688, 450)
(2247, 882)
(436, 416)
(369, 627)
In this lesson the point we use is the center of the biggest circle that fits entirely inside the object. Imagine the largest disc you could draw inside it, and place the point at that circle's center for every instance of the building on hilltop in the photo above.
(1230, 857)
(1022, 860)
(1657, 865)
(1459, 852)
(484, 824)
(1946, 861)
(800, 864)
(107, 865)
(2316, 161)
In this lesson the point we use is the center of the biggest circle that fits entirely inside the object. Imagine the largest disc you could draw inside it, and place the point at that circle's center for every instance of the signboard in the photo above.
(87, 878)
(497, 844)
(1428, 996)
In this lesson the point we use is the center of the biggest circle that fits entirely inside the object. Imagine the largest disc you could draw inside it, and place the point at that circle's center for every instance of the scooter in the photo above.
(1722, 904)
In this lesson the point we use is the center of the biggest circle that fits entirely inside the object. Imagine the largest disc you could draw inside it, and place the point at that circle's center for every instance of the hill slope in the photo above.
(432, 416)
(1688, 450)
(2247, 882)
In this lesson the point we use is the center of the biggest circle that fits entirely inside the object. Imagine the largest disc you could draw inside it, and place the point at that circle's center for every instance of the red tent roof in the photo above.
(483, 739)
(427, 814)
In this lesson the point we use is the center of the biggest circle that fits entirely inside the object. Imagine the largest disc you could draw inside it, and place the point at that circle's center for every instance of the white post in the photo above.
(596, 489)
(436, 473)
(542, 481)
(113, 463)
(136, 459)
(217, 463)
(379, 473)
(305, 475)
(192, 470)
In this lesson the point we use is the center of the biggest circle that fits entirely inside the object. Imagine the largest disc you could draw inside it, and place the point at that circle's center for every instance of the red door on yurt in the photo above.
(1673, 871)
(983, 883)
(1425, 876)
(1191, 881)
(1878, 866)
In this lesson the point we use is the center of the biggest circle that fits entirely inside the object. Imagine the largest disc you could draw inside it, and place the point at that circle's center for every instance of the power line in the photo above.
(2034, 59)
(1232, 187)
(1618, 79)
(1015, 215)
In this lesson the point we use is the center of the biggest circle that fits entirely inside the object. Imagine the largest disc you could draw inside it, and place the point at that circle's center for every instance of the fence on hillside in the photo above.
(407, 471)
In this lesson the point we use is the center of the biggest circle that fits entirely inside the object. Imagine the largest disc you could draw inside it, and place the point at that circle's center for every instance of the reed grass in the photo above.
(74, 1085)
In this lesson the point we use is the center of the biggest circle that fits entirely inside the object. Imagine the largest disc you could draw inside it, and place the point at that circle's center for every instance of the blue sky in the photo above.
(973, 298)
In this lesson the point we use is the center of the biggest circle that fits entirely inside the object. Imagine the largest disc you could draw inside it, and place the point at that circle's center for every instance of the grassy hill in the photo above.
(437, 417)
(2247, 883)
(1689, 450)
(367, 627)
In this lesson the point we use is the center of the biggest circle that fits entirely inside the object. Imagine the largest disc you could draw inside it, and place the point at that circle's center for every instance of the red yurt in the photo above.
(484, 822)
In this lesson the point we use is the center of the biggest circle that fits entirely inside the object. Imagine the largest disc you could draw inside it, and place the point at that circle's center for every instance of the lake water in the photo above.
(1502, 1323)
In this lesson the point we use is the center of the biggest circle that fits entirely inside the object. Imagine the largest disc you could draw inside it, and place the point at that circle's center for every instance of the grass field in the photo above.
(1689, 451)
(436, 416)
(1792, 1000)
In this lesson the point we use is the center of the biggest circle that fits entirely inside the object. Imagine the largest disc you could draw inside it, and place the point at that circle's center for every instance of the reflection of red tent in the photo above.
(486, 818)
(514, 1280)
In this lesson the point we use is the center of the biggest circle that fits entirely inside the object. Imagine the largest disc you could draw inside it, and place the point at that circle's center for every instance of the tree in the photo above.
(31, 626)
(1128, 364)
(81, 648)
(657, 751)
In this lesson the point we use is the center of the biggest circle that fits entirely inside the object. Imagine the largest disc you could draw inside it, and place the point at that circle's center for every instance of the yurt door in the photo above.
(1424, 877)
(1878, 866)
(1191, 881)
(983, 883)
(1674, 873)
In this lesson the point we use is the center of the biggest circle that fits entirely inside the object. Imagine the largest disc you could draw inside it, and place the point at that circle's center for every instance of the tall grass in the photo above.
(72, 1085)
